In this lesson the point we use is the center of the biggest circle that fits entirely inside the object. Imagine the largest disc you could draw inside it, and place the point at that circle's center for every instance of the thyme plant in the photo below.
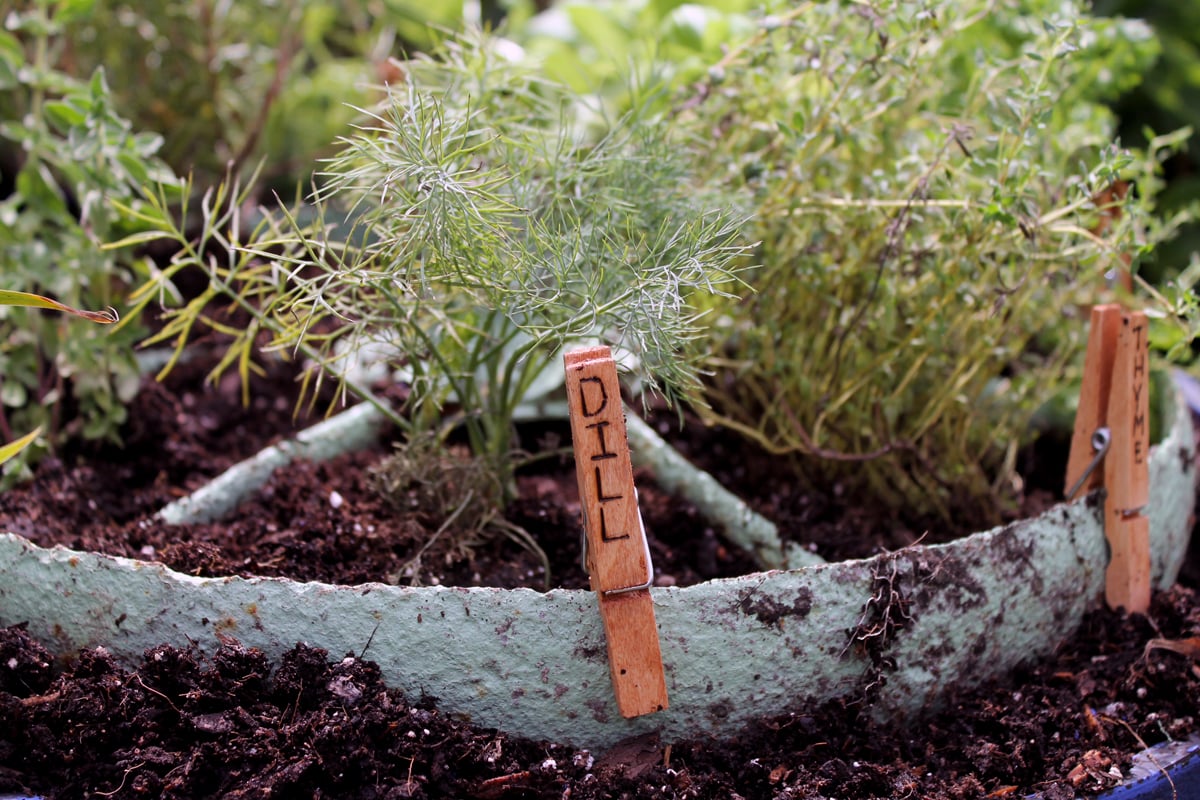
(925, 180)
(473, 228)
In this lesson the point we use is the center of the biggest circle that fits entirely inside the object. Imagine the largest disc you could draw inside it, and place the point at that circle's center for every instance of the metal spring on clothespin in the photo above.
(1101, 439)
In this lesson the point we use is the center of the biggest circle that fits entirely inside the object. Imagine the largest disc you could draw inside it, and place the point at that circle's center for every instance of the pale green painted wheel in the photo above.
(735, 650)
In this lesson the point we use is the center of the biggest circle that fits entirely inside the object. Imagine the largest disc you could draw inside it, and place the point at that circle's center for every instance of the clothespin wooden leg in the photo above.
(1127, 470)
(1094, 393)
(618, 556)
(1114, 411)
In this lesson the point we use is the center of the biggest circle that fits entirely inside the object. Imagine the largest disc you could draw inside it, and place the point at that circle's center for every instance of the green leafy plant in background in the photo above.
(1174, 309)
(465, 235)
(235, 86)
(70, 155)
(593, 47)
(227, 85)
(1167, 100)
(924, 177)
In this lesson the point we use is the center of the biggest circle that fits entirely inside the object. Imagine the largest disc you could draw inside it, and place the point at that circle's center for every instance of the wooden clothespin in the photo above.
(617, 554)
(1113, 425)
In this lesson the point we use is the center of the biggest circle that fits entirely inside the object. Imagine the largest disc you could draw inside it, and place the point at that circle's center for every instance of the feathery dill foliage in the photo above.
(480, 226)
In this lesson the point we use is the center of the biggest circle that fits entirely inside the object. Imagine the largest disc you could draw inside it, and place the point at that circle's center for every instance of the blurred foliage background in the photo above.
(1168, 99)
(228, 84)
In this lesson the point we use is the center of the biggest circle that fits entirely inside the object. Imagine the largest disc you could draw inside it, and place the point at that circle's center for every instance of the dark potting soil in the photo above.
(323, 725)
(321, 521)
(233, 725)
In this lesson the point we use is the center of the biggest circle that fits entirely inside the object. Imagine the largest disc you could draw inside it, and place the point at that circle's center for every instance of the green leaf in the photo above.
(99, 86)
(39, 192)
(64, 115)
(8, 74)
(994, 212)
(135, 168)
(601, 30)
(73, 10)
(11, 449)
(10, 48)
(134, 239)
(13, 394)
(32, 23)
(11, 298)
(686, 27)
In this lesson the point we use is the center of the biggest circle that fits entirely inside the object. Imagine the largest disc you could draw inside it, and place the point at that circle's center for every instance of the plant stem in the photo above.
(754, 533)
(303, 347)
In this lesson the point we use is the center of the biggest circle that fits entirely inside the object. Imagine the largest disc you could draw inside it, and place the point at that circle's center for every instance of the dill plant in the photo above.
(475, 224)
(924, 178)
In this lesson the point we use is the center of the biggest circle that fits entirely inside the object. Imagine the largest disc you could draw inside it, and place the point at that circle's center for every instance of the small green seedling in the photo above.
(11, 298)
